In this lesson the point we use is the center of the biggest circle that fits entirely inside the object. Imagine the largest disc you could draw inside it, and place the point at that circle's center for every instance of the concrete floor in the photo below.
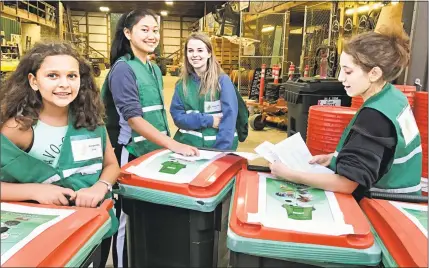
(255, 138)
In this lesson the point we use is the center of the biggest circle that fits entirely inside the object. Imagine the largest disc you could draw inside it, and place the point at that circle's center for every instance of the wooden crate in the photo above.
(226, 53)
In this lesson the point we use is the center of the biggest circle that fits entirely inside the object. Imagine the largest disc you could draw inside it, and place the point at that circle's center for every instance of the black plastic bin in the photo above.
(93, 259)
(305, 92)
(195, 240)
(242, 260)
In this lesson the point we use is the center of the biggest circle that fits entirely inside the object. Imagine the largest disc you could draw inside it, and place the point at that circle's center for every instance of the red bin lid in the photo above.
(399, 226)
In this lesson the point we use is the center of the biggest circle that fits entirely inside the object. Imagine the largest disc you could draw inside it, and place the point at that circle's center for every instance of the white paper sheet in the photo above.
(246, 155)
(204, 155)
(31, 222)
(266, 150)
(292, 152)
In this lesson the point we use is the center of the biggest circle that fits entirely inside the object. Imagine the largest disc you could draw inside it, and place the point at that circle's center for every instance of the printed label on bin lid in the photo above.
(333, 102)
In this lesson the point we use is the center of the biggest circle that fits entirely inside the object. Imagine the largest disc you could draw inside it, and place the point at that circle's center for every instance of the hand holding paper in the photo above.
(293, 153)
(266, 150)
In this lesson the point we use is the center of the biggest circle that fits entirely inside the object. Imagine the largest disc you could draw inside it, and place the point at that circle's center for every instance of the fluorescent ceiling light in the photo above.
(170, 3)
(267, 29)
(363, 9)
(104, 9)
(296, 31)
(164, 13)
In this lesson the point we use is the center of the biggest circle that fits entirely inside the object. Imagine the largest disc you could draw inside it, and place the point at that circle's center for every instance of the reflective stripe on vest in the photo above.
(141, 138)
(402, 159)
(192, 111)
(213, 138)
(85, 170)
(152, 108)
(408, 156)
(191, 132)
(52, 179)
(200, 135)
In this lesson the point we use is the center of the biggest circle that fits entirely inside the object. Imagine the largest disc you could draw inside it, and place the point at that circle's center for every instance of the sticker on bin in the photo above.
(289, 206)
(169, 167)
(21, 224)
(71, 232)
(332, 102)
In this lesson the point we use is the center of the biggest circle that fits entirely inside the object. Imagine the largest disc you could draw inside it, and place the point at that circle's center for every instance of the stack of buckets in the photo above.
(421, 115)
(357, 102)
(325, 126)
(408, 91)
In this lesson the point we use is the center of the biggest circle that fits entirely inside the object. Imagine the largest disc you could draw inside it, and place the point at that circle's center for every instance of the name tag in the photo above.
(212, 106)
(86, 149)
(408, 125)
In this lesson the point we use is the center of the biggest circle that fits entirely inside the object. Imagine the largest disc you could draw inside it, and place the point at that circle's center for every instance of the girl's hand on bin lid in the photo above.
(184, 149)
(49, 194)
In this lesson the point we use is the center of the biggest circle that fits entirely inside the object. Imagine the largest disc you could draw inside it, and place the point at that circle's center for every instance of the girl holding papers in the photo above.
(380, 149)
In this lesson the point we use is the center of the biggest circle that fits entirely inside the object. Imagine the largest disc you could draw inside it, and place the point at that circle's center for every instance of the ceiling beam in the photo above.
(277, 9)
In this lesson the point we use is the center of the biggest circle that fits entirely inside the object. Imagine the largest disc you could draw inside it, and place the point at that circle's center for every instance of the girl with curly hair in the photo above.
(55, 148)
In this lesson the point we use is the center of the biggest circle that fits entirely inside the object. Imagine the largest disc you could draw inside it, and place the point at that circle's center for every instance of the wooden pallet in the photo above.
(226, 53)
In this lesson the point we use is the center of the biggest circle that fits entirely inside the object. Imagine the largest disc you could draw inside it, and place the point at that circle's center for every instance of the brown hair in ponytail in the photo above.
(388, 50)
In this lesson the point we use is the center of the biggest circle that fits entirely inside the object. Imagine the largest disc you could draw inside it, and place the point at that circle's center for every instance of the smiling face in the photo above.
(144, 35)
(57, 80)
(198, 54)
(355, 80)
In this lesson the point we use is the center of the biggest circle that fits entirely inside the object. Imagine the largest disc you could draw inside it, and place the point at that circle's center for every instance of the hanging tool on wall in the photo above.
(322, 64)
(348, 25)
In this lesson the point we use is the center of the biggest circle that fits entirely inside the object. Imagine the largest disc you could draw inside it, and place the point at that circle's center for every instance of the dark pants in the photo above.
(119, 245)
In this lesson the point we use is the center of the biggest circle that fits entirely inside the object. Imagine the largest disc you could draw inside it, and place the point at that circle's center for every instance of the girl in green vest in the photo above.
(204, 105)
(55, 147)
(380, 149)
(133, 95)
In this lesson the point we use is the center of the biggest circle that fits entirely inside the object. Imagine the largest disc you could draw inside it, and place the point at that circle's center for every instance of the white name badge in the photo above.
(86, 149)
(212, 106)
(408, 125)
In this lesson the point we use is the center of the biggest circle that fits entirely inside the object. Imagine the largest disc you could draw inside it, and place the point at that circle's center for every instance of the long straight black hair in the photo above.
(121, 45)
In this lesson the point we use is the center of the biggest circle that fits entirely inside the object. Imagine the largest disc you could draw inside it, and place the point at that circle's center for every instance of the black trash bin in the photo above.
(173, 223)
(305, 92)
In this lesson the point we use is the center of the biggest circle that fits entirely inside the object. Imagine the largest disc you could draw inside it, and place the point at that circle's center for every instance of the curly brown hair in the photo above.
(388, 50)
(19, 101)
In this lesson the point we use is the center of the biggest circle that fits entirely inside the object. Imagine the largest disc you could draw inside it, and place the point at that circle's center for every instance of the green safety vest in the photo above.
(194, 102)
(79, 165)
(404, 172)
(150, 85)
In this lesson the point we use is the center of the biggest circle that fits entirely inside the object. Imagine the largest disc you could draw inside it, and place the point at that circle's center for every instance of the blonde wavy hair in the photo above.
(210, 79)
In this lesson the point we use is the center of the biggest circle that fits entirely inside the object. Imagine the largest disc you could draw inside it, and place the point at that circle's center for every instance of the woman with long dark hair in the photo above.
(133, 95)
